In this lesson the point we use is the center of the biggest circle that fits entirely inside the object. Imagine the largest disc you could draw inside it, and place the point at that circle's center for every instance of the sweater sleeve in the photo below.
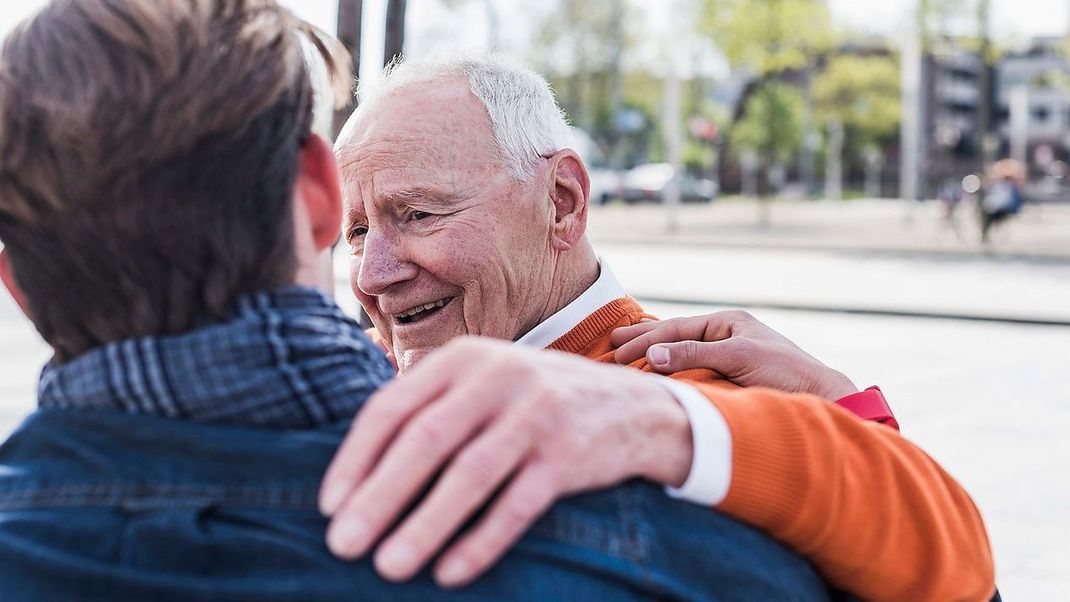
(875, 515)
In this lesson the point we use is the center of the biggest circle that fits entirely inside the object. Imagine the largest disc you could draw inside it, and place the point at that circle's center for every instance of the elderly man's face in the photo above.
(444, 241)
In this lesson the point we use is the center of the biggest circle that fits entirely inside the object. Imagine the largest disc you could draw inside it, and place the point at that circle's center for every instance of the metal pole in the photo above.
(811, 139)
(912, 126)
(671, 117)
(348, 31)
(834, 162)
(1019, 118)
(616, 87)
(984, 112)
(394, 44)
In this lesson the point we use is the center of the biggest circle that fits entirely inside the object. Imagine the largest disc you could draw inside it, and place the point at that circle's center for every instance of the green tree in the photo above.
(769, 38)
(592, 36)
(935, 17)
(701, 154)
(771, 122)
(863, 93)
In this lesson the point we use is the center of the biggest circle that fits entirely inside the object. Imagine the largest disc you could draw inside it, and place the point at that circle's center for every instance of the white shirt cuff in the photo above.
(711, 465)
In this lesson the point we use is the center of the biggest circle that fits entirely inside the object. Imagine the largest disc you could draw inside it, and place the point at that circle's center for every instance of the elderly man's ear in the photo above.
(571, 187)
(319, 187)
(7, 275)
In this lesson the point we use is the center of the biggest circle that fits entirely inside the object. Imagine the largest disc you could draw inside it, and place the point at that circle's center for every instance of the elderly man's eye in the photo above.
(419, 215)
(356, 232)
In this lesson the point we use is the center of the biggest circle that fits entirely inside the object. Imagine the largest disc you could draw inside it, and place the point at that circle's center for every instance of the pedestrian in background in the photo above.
(1003, 198)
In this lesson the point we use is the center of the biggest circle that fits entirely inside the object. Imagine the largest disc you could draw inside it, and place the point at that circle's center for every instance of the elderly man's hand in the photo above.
(515, 427)
(734, 344)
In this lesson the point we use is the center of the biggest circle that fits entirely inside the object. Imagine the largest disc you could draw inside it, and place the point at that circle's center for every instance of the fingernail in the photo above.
(659, 356)
(348, 537)
(331, 498)
(395, 560)
(453, 572)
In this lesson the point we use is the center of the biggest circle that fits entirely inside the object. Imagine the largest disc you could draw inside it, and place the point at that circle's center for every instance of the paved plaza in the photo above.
(867, 226)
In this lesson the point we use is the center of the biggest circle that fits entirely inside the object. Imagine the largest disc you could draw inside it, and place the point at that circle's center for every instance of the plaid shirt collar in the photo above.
(286, 359)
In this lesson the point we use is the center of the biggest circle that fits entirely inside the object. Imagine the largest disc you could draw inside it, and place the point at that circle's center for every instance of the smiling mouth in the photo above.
(422, 312)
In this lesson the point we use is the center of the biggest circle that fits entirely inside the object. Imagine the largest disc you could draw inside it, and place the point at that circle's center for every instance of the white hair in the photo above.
(524, 116)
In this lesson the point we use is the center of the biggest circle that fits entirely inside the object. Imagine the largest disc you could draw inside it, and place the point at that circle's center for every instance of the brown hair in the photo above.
(148, 154)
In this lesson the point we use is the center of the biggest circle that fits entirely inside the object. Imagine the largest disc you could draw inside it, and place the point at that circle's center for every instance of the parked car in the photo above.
(605, 182)
(650, 182)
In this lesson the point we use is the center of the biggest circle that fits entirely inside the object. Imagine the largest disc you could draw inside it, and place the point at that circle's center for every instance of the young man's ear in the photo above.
(7, 275)
(319, 187)
(571, 189)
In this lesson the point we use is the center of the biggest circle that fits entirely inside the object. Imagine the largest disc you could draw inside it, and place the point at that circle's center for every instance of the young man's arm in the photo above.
(552, 425)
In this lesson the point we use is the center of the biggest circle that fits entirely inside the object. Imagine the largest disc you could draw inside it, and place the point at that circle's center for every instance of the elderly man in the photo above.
(163, 202)
(466, 215)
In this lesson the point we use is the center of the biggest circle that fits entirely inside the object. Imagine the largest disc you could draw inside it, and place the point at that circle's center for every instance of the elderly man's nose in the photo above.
(383, 265)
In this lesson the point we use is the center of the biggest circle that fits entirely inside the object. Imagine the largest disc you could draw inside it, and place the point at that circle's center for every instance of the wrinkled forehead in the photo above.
(428, 135)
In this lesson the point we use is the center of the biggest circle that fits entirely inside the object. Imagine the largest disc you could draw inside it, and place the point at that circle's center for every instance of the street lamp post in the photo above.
(348, 29)
(834, 161)
(1019, 120)
(671, 121)
(395, 30)
(984, 110)
(913, 139)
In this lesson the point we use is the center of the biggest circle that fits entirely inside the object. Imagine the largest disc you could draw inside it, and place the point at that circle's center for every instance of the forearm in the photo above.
(874, 513)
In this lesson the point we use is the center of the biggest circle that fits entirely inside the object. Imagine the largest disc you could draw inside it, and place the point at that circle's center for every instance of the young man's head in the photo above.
(156, 161)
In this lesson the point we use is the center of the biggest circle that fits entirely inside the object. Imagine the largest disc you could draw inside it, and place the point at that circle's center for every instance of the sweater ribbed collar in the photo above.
(605, 290)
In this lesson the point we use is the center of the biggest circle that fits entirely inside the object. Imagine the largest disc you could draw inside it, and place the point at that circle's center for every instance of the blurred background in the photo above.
(886, 183)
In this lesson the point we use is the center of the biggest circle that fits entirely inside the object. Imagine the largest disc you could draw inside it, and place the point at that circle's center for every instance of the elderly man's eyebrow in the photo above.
(420, 194)
(352, 213)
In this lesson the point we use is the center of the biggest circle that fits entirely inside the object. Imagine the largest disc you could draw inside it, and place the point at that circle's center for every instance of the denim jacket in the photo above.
(156, 473)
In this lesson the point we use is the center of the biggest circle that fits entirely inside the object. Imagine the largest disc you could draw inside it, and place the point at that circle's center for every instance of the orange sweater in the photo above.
(875, 515)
